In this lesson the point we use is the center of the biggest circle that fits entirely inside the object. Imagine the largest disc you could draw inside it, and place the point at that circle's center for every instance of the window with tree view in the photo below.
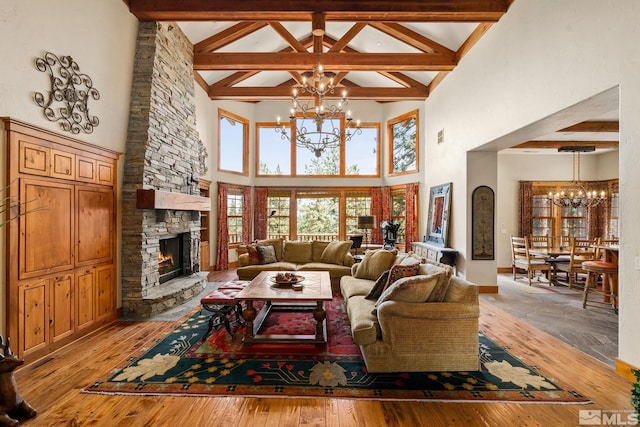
(362, 152)
(317, 216)
(235, 203)
(233, 143)
(403, 143)
(399, 212)
(356, 205)
(279, 211)
(274, 153)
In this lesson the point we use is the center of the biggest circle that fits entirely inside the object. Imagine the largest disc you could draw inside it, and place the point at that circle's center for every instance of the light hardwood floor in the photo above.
(52, 385)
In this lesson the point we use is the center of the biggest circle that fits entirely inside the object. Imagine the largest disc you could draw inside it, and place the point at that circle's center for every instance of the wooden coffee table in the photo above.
(316, 288)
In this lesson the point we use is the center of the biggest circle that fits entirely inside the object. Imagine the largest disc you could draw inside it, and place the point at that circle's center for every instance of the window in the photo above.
(573, 222)
(278, 157)
(362, 153)
(329, 161)
(399, 212)
(274, 153)
(613, 232)
(279, 211)
(357, 204)
(403, 143)
(317, 215)
(542, 218)
(233, 143)
(235, 203)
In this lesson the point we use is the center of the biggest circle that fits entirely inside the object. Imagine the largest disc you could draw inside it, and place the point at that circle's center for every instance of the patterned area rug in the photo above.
(183, 364)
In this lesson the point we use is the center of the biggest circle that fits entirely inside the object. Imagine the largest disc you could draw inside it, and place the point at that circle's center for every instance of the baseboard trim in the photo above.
(488, 289)
(625, 370)
(504, 270)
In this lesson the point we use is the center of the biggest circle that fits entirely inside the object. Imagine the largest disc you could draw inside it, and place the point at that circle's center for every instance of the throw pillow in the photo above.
(277, 245)
(335, 251)
(442, 286)
(374, 263)
(317, 247)
(267, 254)
(444, 273)
(408, 289)
(399, 271)
(254, 256)
(378, 286)
(297, 252)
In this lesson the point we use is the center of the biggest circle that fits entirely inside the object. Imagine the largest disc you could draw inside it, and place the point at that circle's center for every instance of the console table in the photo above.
(435, 253)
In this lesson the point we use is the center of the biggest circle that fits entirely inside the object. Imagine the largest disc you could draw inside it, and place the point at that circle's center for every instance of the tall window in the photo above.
(362, 153)
(317, 215)
(399, 211)
(278, 215)
(356, 205)
(403, 143)
(274, 153)
(235, 203)
(573, 222)
(613, 231)
(542, 219)
(233, 143)
(329, 161)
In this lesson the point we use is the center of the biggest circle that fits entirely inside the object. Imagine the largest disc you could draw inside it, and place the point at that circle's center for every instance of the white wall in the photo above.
(541, 58)
(100, 36)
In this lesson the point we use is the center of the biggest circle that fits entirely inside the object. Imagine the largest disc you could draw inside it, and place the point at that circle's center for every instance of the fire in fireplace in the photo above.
(170, 261)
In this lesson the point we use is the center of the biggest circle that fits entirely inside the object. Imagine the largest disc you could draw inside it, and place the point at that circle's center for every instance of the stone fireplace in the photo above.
(160, 196)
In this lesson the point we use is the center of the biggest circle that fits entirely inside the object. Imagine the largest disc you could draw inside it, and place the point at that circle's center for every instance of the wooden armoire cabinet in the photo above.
(205, 224)
(61, 253)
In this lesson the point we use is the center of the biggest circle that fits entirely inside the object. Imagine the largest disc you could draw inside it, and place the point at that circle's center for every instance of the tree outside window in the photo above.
(279, 210)
(399, 212)
(403, 143)
(356, 205)
(317, 217)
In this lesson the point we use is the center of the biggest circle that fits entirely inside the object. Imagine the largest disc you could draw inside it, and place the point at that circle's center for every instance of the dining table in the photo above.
(554, 255)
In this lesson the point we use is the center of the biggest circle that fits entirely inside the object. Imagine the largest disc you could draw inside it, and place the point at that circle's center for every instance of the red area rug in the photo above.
(181, 363)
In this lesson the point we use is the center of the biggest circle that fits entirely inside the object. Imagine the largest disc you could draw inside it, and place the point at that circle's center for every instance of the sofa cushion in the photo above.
(333, 269)
(408, 289)
(317, 247)
(365, 328)
(267, 254)
(335, 251)
(444, 273)
(374, 264)
(254, 255)
(297, 252)
(350, 286)
(378, 286)
(249, 272)
(277, 245)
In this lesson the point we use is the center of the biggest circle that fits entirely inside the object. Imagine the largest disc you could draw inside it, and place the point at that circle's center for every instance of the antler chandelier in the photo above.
(577, 194)
(314, 129)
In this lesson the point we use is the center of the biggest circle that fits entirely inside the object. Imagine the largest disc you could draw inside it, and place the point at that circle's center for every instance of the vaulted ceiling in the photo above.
(391, 50)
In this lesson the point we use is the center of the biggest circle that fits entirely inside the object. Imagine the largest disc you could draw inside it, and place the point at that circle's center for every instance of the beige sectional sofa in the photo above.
(426, 322)
(333, 257)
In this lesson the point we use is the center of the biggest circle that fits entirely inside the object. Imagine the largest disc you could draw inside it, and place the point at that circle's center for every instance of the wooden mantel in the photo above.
(156, 199)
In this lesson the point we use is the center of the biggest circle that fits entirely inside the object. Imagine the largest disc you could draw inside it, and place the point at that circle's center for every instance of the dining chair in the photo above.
(539, 241)
(523, 259)
(581, 250)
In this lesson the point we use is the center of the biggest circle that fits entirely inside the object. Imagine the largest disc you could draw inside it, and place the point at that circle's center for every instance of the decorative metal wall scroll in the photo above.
(482, 219)
(66, 102)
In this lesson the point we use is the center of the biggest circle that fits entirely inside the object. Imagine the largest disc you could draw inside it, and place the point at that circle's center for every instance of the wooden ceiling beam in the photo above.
(558, 144)
(331, 61)
(339, 45)
(297, 10)
(595, 126)
(225, 37)
(284, 93)
(287, 36)
(410, 37)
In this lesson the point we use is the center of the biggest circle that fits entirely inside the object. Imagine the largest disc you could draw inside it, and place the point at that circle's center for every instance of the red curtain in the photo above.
(246, 215)
(376, 210)
(526, 208)
(260, 195)
(410, 226)
(222, 260)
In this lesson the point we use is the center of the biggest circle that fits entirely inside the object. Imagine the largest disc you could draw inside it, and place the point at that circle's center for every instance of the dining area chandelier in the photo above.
(315, 128)
(577, 194)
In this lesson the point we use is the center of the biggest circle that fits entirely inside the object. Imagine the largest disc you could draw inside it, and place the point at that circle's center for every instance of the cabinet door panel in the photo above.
(63, 165)
(46, 235)
(105, 173)
(105, 291)
(33, 318)
(62, 307)
(85, 298)
(94, 225)
(34, 159)
(86, 170)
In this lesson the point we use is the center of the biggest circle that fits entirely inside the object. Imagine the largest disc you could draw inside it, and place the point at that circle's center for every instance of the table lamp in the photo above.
(367, 222)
